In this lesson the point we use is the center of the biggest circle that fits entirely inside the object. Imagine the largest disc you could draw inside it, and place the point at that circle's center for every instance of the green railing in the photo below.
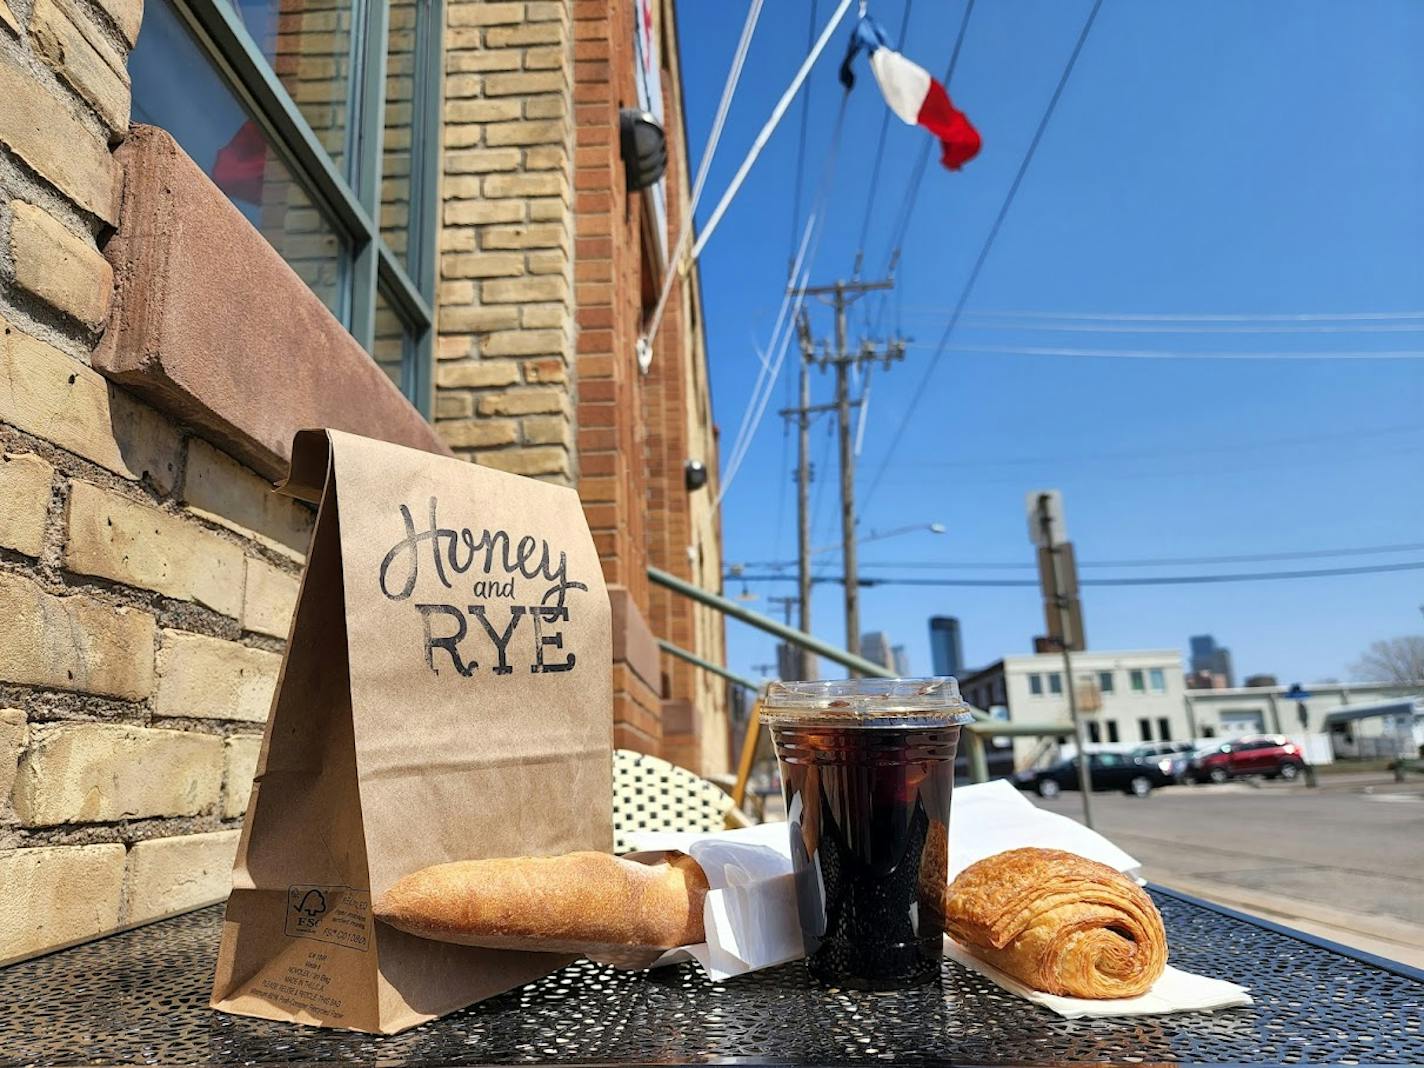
(984, 726)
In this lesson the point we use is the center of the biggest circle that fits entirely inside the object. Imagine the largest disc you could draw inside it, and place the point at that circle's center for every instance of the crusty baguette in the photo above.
(567, 904)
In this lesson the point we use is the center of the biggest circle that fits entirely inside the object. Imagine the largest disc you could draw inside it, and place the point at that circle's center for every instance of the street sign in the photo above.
(1299, 694)
(1057, 528)
(1059, 563)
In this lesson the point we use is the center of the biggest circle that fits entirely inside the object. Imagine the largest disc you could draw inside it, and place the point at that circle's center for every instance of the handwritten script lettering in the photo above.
(460, 550)
(452, 552)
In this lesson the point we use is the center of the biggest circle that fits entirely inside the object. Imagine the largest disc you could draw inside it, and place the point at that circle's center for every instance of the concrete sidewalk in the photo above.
(1342, 861)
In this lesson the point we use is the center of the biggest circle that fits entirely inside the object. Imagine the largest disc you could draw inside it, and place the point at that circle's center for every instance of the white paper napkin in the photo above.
(992, 817)
(750, 911)
(1175, 991)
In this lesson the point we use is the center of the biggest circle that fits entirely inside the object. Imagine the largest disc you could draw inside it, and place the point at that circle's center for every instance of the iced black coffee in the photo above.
(867, 767)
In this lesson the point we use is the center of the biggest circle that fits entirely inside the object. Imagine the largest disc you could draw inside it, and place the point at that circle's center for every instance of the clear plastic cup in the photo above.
(867, 766)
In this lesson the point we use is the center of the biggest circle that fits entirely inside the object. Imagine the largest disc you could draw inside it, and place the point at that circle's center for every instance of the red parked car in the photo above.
(1269, 756)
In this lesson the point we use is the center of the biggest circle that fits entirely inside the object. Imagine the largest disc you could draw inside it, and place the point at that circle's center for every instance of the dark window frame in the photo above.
(353, 206)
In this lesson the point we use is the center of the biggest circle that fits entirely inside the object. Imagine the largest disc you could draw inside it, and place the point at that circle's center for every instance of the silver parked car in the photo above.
(1171, 758)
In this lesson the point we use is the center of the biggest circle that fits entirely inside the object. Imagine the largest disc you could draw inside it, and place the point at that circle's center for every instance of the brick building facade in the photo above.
(162, 338)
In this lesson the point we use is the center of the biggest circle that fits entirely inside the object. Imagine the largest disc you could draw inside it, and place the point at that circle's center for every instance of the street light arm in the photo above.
(913, 528)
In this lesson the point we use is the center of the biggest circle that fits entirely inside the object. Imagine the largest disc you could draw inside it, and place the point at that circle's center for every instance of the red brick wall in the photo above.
(607, 292)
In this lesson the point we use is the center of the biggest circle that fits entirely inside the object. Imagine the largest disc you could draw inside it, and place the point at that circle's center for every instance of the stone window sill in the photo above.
(211, 326)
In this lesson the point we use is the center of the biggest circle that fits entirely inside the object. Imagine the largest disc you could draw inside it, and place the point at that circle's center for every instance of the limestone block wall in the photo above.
(146, 578)
(504, 382)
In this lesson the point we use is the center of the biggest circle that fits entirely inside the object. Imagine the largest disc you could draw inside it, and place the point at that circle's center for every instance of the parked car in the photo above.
(1110, 771)
(1153, 750)
(1269, 756)
(1171, 758)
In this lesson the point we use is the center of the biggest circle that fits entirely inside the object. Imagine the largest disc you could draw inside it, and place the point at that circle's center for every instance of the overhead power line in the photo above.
(1162, 354)
(1076, 326)
(792, 300)
(988, 245)
(1200, 317)
(801, 143)
(879, 156)
(917, 172)
(1229, 448)
(1163, 580)
(1161, 561)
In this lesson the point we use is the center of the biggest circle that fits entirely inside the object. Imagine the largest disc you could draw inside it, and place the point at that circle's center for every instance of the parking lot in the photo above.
(1342, 860)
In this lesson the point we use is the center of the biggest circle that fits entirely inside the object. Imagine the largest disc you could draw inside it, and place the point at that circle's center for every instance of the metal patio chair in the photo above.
(650, 794)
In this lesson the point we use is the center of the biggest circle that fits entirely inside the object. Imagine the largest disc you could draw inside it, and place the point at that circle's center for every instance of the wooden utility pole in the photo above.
(802, 413)
(840, 295)
(803, 491)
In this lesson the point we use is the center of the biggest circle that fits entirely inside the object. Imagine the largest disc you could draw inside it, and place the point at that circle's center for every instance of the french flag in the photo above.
(914, 96)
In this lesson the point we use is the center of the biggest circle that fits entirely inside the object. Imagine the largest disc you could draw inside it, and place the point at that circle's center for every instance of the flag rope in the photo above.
(674, 267)
(729, 89)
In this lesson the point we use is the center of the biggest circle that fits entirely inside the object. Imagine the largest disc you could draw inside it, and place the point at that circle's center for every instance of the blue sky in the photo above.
(1206, 159)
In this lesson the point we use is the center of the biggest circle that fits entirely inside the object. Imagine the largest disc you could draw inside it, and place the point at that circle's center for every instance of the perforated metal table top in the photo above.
(142, 998)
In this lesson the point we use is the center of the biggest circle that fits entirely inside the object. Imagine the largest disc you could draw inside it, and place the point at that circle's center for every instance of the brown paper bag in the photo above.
(446, 694)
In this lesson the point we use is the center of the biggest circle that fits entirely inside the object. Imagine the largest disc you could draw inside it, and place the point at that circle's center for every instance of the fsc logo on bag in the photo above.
(340, 915)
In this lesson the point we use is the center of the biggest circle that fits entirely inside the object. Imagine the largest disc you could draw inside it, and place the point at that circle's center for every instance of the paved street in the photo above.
(1343, 861)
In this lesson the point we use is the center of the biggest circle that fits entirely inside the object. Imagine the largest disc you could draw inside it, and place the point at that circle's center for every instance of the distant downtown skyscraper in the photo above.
(1211, 658)
(946, 646)
(875, 647)
(900, 661)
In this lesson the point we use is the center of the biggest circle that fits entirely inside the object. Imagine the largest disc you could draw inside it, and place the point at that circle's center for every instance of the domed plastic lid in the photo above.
(866, 703)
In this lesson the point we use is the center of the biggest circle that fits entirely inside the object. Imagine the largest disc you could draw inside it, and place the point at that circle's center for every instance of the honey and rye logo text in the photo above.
(503, 566)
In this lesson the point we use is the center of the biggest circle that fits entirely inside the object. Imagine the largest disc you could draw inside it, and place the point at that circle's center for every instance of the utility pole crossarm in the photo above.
(853, 289)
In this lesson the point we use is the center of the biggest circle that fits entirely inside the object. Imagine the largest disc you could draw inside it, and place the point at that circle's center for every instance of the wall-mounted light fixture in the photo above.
(694, 475)
(643, 146)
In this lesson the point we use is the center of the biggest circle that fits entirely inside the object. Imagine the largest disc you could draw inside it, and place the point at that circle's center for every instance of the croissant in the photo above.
(1059, 923)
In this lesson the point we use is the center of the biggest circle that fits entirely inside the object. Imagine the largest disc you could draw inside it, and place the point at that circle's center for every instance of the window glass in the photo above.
(391, 348)
(1112, 731)
(1055, 682)
(1105, 681)
(1094, 733)
(1108, 760)
(1164, 728)
(1135, 680)
(1144, 729)
(176, 86)
(308, 45)
(396, 172)
(1035, 684)
(1159, 681)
